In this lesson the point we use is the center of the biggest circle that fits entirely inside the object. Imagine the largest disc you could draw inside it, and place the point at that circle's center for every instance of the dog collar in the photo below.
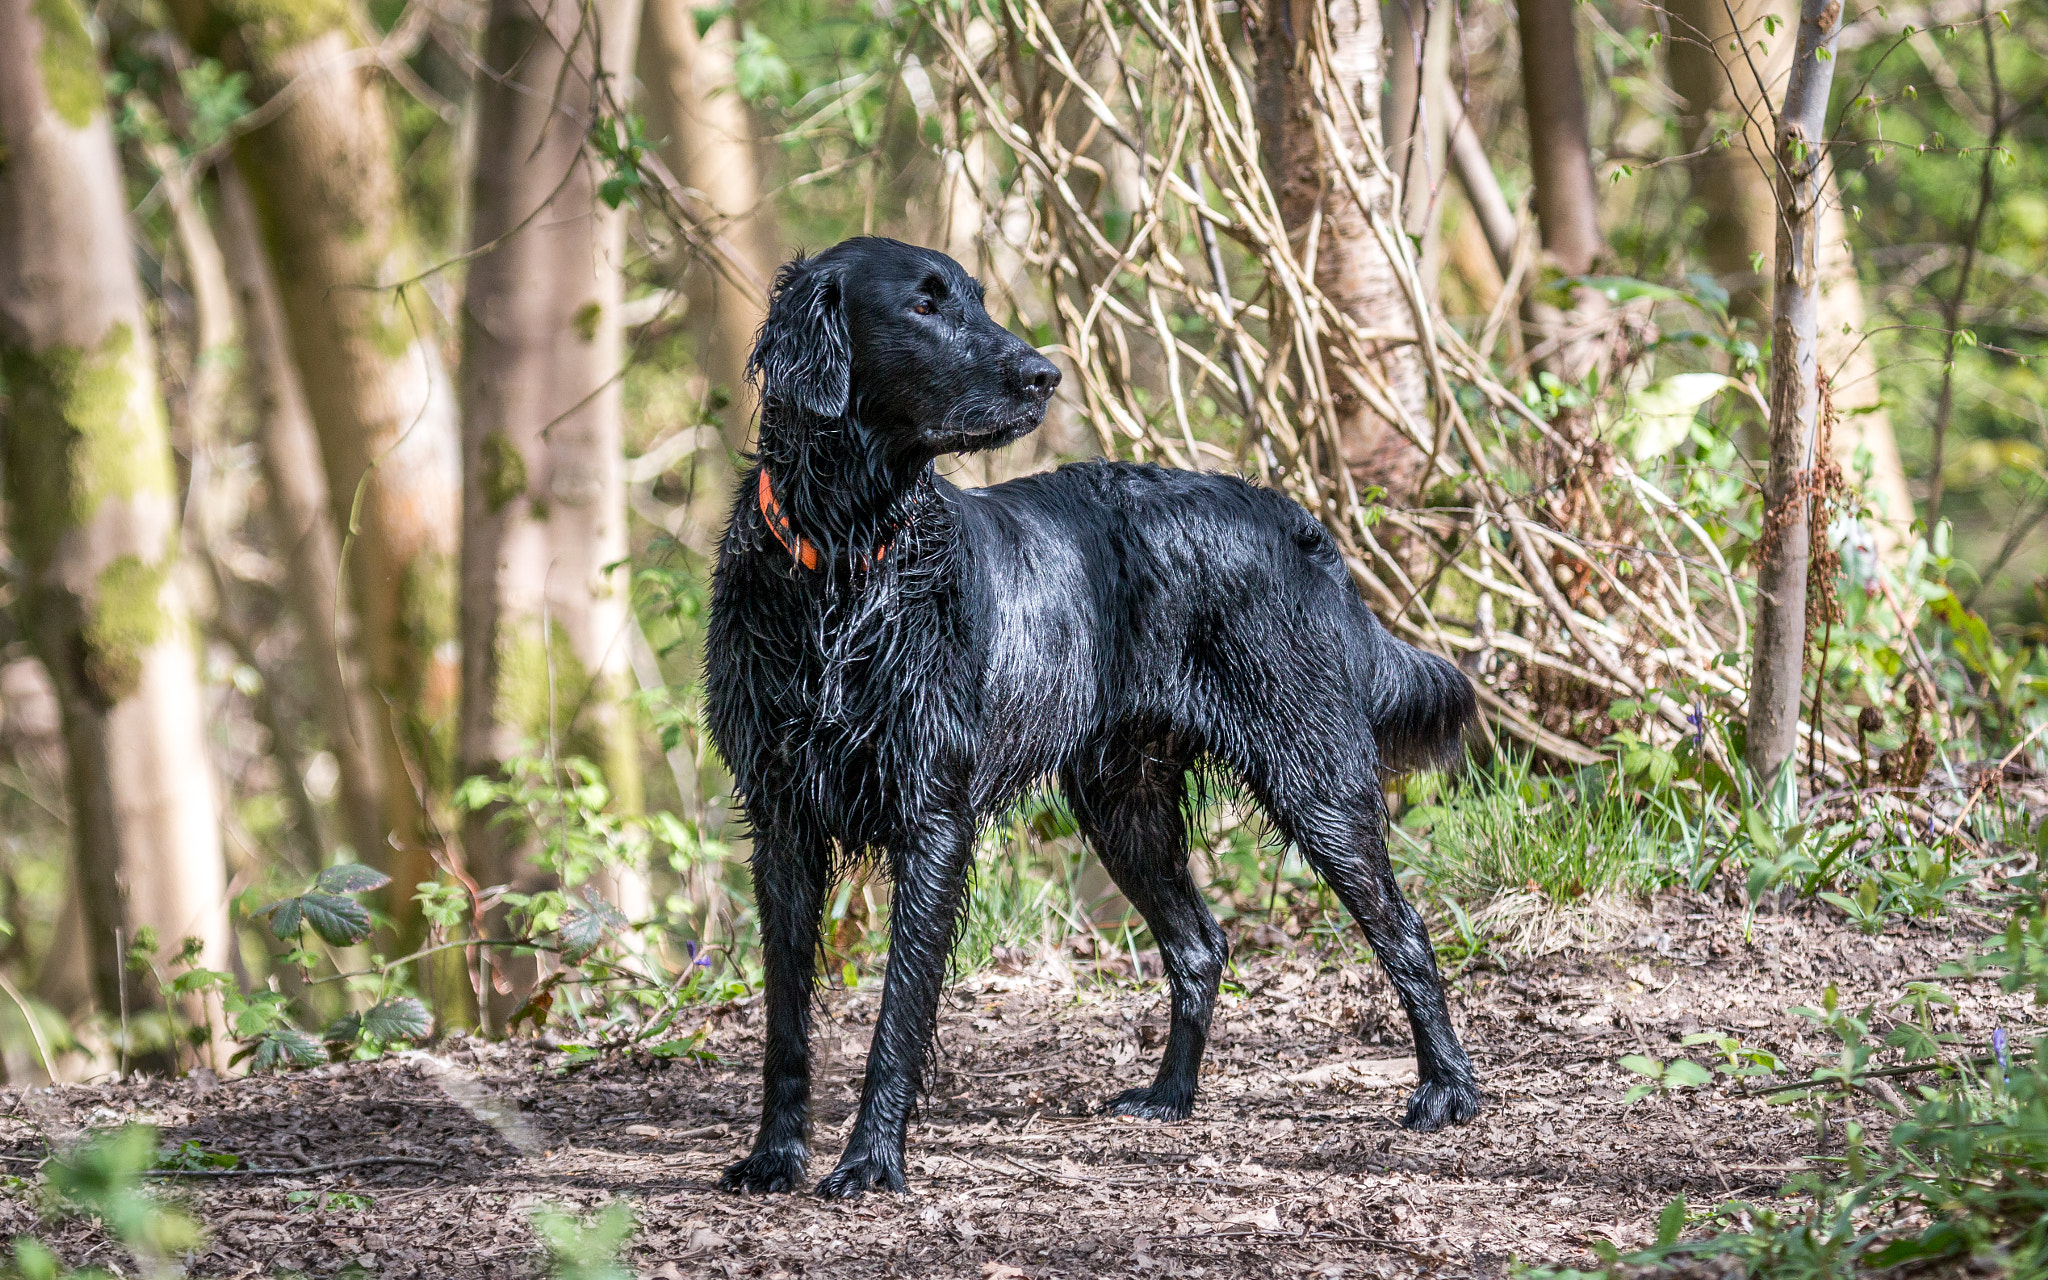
(800, 548)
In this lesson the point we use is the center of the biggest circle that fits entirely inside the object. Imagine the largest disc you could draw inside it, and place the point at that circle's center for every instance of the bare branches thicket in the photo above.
(1555, 573)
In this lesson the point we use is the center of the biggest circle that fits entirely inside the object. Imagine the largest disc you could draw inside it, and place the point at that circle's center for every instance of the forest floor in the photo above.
(1293, 1164)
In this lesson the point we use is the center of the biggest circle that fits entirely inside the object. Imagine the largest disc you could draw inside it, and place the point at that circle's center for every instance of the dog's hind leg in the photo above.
(790, 877)
(931, 884)
(1130, 802)
(1345, 842)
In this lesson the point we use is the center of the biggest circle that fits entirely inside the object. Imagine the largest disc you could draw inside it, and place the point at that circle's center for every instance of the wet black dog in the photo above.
(893, 660)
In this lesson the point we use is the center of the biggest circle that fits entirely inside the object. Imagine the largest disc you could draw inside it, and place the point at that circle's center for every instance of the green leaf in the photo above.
(1671, 1223)
(1684, 1073)
(1643, 1066)
(397, 1018)
(351, 877)
(201, 980)
(346, 1029)
(340, 921)
(1637, 1093)
(287, 1046)
(580, 932)
(1663, 411)
(285, 917)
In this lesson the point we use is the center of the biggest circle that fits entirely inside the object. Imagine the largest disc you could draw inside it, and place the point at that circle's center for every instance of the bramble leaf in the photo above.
(351, 877)
(340, 921)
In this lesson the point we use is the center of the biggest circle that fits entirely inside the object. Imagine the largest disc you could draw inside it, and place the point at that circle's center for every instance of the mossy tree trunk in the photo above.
(93, 516)
(1351, 268)
(302, 521)
(327, 194)
(1722, 85)
(545, 647)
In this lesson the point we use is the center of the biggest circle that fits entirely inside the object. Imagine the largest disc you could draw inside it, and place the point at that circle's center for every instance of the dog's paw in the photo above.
(856, 1174)
(764, 1171)
(1149, 1103)
(1440, 1102)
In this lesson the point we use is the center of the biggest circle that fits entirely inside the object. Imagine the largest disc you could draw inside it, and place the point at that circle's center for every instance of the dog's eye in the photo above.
(924, 306)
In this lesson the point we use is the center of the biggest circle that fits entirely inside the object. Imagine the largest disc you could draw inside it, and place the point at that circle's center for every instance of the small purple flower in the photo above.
(690, 948)
(1697, 718)
(1998, 1049)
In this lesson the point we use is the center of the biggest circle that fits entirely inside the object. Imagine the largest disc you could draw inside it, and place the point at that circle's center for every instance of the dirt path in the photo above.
(1292, 1165)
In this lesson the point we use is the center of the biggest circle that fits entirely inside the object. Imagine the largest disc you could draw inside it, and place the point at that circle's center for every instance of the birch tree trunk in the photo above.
(1418, 140)
(1351, 268)
(1777, 673)
(301, 519)
(1733, 184)
(93, 516)
(368, 356)
(546, 650)
(692, 101)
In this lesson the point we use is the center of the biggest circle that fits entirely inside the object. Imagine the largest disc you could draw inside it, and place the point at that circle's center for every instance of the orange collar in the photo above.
(800, 548)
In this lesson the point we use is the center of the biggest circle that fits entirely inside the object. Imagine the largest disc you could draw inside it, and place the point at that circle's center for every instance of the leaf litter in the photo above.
(1293, 1164)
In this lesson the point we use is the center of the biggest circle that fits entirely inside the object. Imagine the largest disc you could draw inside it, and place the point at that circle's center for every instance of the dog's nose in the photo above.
(1039, 375)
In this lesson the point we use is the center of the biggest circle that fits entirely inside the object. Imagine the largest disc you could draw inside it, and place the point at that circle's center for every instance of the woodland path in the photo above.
(1292, 1166)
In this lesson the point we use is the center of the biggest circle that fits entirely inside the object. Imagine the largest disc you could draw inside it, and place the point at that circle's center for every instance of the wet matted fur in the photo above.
(892, 661)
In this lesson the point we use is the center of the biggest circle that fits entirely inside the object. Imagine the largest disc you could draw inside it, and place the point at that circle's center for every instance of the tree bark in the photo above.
(1418, 140)
(546, 651)
(1495, 216)
(1351, 268)
(692, 100)
(368, 356)
(1777, 673)
(1567, 197)
(300, 516)
(93, 516)
(1733, 184)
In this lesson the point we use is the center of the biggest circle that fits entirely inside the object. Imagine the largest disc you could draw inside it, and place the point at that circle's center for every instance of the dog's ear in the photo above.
(803, 358)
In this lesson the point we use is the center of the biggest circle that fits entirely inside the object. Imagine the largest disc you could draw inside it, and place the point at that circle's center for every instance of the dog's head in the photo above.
(897, 337)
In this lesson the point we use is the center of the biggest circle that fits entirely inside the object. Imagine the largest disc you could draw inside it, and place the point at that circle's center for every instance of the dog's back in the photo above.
(1117, 594)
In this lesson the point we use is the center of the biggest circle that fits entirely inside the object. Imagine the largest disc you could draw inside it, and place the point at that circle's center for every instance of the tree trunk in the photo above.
(369, 360)
(301, 520)
(1490, 208)
(1419, 40)
(544, 626)
(1351, 269)
(1575, 343)
(1733, 184)
(1777, 673)
(93, 516)
(693, 101)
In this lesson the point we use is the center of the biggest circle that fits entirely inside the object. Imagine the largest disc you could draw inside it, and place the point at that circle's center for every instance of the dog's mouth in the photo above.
(980, 424)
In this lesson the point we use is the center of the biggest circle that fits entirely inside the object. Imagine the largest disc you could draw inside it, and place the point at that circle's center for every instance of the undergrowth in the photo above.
(1959, 1184)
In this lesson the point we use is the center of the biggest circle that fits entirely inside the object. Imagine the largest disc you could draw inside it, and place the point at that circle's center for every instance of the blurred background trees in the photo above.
(371, 377)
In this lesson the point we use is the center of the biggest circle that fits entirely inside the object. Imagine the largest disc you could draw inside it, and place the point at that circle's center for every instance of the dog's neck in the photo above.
(835, 483)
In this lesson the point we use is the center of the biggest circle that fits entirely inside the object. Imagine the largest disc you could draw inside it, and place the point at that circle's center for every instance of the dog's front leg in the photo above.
(789, 888)
(931, 879)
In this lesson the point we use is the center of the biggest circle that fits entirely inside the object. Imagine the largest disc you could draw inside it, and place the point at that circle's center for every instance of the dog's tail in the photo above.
(1421, 704)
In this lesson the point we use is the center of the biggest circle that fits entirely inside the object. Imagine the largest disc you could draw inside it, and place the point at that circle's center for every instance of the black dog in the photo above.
(893, 660)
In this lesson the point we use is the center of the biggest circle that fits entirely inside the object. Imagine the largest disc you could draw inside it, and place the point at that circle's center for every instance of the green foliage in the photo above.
(101, 1178)
(1507, 827)
(1958, 1183)
(328, 908)
(1679, 1073)
(586, 1246)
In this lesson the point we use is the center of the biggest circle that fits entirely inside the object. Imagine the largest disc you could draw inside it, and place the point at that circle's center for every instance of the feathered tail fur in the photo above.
(1421, 704)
